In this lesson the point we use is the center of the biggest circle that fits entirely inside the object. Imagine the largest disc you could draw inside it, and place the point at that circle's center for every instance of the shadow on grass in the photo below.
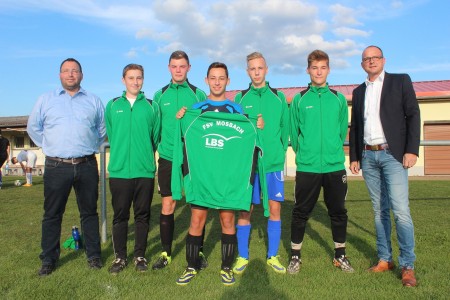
(252, 286)
(154, 247)
(320, 215)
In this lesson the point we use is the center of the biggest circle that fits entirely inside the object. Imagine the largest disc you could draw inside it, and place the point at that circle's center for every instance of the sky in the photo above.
(106, 35)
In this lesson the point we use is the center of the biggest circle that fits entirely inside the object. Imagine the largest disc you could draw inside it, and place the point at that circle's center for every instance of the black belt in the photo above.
(376, 147)
(74, 160)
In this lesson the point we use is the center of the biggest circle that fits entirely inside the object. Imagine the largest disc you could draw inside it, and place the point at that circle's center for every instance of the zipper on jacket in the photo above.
(129, 140)
(321, 133)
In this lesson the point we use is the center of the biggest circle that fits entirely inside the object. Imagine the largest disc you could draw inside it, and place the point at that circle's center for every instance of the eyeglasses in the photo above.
(67, 71)
(373, 58)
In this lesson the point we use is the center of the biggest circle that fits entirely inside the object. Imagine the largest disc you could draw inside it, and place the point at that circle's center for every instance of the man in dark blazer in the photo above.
(384, 143)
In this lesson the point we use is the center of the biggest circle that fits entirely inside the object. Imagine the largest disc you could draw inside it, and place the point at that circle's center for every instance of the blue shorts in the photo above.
(275, 187)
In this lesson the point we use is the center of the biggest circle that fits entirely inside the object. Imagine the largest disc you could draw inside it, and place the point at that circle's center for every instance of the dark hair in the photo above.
(132, 67)
(179, 54)
(73, 60)
(217, 65)
(318, 55)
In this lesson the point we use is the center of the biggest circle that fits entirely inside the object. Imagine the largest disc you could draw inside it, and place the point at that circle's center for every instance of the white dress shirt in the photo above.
(373, 130)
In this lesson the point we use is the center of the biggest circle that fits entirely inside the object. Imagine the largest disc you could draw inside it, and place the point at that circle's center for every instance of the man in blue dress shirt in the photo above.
(68, 124)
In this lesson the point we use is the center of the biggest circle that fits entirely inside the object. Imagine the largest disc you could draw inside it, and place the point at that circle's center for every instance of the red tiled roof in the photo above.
(424, 89)
(430, 89)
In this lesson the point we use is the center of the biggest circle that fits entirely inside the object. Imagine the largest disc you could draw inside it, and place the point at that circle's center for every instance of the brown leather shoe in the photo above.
(382, 266)
(408, 278)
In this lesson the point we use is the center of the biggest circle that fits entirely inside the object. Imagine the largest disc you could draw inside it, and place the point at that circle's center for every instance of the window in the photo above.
(32, 144)
(20, 141)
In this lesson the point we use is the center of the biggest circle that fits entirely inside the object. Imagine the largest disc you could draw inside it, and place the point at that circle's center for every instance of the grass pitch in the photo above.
(20, 233)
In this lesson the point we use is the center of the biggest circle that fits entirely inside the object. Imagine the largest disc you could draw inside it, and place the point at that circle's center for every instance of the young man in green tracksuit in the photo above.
(319, 121)
(212, 139)
(177, 94)
(133, 128)
(260, 98)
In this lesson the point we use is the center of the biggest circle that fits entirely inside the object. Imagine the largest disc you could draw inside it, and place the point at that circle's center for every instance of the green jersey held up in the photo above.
(216, 162)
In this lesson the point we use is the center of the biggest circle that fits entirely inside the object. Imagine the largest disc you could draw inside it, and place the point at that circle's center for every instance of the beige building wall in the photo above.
(429, 111)
(16, 169)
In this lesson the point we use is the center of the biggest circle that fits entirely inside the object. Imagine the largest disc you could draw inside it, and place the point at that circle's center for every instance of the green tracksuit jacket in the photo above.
(319, 122)
(272, 104)
(133, 134)
(216, 161)
(171, 98)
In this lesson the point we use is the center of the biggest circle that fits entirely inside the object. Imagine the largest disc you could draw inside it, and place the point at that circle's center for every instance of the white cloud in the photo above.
(347, 31)
(129, 18)
(344, 15)
(134, 52)
(224, 30)
(396, 4)
(384, 9)
(227, 31)
(428, 68)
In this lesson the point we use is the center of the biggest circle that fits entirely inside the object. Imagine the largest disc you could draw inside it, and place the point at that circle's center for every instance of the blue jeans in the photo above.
(387, 182)
(59, 178)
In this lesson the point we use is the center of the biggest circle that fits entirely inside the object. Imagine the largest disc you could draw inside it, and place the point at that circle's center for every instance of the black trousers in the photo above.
(307, 190)
(138, 191)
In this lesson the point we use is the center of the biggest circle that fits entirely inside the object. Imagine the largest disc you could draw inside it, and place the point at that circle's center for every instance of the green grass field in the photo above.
(20, 233)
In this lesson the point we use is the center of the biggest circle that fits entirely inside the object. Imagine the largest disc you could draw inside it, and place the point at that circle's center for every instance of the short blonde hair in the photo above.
(254, 55)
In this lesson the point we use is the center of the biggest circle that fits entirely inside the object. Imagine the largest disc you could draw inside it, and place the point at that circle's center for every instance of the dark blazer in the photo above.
(399, 114)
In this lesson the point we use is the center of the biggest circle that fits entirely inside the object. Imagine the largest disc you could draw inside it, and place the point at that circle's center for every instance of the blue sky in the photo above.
(106, 35)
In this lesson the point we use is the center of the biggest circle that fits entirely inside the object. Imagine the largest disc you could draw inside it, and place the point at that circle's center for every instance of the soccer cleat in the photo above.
(27, 184)
(240, 265)
(162, 261)
(294, 265)
(276, 265)
(141, 264)
(187, 276)
(343, 263)
(95, 263)
(203, 262)
(117, 266)
(227, 276)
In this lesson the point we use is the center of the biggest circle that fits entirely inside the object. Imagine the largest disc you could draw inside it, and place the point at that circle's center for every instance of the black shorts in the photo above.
(195, 206)
(164, 177)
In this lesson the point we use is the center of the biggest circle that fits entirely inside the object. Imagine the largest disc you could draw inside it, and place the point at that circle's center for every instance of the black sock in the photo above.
(203, 239)
(229, 242)
(166, 228)
(338, 252)
(295, 252)
(192, 250)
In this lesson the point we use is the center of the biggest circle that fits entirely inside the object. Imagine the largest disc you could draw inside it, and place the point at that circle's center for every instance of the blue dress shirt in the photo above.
(67, 126)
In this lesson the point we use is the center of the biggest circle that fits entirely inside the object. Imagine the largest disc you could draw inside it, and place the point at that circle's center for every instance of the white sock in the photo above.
(29, 177)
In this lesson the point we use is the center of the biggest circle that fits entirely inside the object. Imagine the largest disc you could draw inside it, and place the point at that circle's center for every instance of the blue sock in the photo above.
(274, 235)
(243, 237)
